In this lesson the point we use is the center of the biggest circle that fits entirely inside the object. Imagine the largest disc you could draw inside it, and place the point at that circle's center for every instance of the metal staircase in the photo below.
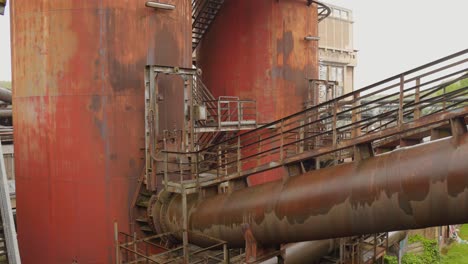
(203, 14)
(323, 10)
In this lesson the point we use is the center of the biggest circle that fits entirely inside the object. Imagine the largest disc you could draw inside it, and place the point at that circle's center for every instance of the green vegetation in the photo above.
(464, 232)
(430, 255)
(457, 253)
(390, 259)
(458, 85)
(5, 84)
(454, 86)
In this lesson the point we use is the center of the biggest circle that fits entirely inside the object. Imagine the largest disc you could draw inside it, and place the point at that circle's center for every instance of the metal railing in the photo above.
(224, 112)
(131, 249)
(413, 101)
(230, 111)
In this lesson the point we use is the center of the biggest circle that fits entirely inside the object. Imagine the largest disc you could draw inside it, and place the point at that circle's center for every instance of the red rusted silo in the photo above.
(257, 50)
(78, 70)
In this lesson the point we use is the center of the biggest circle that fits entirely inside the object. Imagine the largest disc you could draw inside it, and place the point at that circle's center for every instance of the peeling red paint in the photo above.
(256, 50)
(78, 70)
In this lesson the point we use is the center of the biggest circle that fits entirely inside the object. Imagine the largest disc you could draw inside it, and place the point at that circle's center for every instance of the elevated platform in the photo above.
(418, 105)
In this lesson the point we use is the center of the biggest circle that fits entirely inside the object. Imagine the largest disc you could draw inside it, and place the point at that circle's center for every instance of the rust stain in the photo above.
(256, 50)
(78, 70)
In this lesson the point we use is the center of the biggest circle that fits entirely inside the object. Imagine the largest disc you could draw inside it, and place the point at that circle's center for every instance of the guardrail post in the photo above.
(281, 141)
(166, 168)
(302, 136)
(356, 118)
(135, 246)
(335, 132)
(226, 253)
(239, 154)
(375, 248)
(444, 103)
(417, 96)
(219, 114)
(181, 168)
(117, 246)
(239, 114)
(185, 225)
(334, 124)
(220, 162)
(400, 105)
(259, 148)
(197, 170)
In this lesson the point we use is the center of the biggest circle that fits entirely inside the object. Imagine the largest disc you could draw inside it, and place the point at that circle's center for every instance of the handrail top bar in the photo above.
(333, 101)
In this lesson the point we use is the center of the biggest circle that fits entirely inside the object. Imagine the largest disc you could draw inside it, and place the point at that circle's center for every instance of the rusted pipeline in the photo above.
(306, 252)
(310, 251)
(410, 188)
(5, 95)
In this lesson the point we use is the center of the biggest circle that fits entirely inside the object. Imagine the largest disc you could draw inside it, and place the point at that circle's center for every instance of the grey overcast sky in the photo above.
(391, 36)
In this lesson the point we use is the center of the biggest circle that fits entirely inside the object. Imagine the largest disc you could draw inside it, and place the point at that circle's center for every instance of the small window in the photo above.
(339, 75)
(344, 15)
(323, 72)
(332, 74)
(336, 13)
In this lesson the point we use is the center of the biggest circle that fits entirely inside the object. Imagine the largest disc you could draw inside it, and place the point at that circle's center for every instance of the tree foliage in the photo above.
(5, 84)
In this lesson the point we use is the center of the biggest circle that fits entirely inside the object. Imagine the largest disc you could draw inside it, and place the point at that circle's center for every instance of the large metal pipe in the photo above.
(306, 252)
(310, 251)
(410, 188)
(5, 95)
(5, 113)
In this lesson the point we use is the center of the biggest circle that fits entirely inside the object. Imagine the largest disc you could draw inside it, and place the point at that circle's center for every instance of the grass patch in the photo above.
(457, 254)
(463, 232)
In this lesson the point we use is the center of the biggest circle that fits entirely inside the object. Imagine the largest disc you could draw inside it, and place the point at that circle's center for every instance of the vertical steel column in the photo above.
(185, 225)
(356, 117)
(400, 105)
(374, 258)
(417, 96)
(226, 253)
(117, 246)
(335, 133)
(239, 156)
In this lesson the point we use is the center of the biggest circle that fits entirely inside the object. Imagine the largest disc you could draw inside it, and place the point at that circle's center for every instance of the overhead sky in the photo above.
(391, 36)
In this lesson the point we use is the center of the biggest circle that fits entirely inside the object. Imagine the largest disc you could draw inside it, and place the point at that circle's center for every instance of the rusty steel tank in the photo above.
(257, 50)
(78, 74)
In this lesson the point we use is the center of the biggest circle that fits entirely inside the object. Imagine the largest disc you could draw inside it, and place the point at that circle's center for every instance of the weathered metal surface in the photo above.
(306, 252)
(413, 187)
(79, 117)
(310, 251)
(256, 50)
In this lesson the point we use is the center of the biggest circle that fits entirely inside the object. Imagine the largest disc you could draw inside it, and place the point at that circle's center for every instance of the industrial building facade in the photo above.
(337, 55)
